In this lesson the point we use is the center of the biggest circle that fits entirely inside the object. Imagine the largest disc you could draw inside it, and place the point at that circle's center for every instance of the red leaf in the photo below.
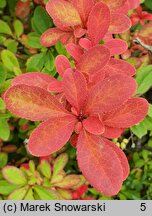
(93, 60)
(75, 88)
(133, 3)
(84, 7)
(85, 43)
(99, 164)
(116, 46)
(129, 114)
(117, 66)
(22, 9)
(113, 4)
(111, 132)
(51, 135)
(32, 103)
(122, 157)
(53, 35)
(79, 32)
(55, 86)
(98, 22)
(62, 63)
(74, 139)
(110, 93)
(63, 13)
(74, 50)
(93, 125)
(119, 23)
(34, 79)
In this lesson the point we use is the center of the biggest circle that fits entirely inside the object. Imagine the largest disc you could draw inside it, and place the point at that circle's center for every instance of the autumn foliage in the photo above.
(94, 101)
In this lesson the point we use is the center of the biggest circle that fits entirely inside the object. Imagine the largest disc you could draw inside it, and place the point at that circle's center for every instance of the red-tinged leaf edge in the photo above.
(74, 84)
(62, 63)
(54, 35)
(93, 125)
(129, 114)
(119, 23)
(99, 164)
(51, 135)
(122, 157)
(33, 79)
(118, 66)
(32, 103)
(116, 46)
(98, 22)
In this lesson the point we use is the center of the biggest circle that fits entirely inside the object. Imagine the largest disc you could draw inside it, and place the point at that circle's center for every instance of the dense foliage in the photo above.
(87, 99)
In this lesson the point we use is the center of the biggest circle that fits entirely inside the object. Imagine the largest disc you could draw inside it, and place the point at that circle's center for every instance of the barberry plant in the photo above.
(95, 99)
(48, 180)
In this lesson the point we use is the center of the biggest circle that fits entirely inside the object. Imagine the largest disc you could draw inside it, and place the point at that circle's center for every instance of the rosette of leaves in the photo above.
(75, 19)
(104, 110)
(47, 181)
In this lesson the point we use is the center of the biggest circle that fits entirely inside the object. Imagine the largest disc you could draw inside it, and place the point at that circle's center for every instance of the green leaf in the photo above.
(18, 27)
(5, 85)
(4, 129)
(29, 195)
(32, 166)
(2, 104)
(10, 62)
(150, 110)
(14, 175)
(61, 49)
(69, 181)
(36, 61)
(6, 188)
(3, 74)
(45, 194)
(139, 130)
(139, 163)
(59, 164)
(2, 3)
(34, 40)
(2, 39)
(11, 45)
(4, 28)
(144, 79)
(49, 61)
(3, 159)
(41, 21)
(18, 194)
(148, 123)
(148, 4)
(45, 168)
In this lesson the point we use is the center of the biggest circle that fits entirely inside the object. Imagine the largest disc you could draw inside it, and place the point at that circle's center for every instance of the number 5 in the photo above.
(143, 207)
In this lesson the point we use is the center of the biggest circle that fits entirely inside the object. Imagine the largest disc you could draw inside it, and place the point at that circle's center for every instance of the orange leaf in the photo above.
(62, 63)
(34, 79)
(84, 7)
(122, 157)
(93, 125)
(119, 23)
(116, 46)
(53, 35)
(98, 22)
(99, 164)
(111, 132)
(74, 84)
(129, 114)
(63, 13)
(118, 66)
(113, 4)
(32, 103)
(110, 93)
(51, 135)
(93, 60)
